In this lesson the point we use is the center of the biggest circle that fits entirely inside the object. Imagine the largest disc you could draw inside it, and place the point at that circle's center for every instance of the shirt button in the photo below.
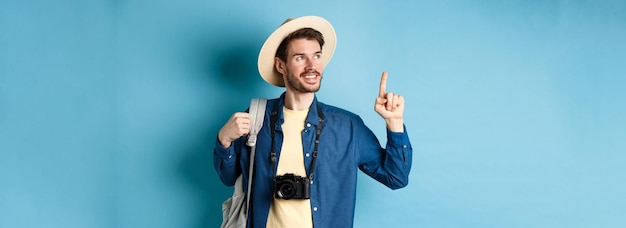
(314, 208)
(307, 155)
(308, 124)
(403, 146)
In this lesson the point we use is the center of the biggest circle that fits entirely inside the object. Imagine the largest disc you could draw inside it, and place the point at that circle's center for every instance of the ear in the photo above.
(279, 65)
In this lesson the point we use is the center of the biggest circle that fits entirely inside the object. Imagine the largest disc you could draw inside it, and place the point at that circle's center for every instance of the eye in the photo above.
(318, 56)
(299, 57)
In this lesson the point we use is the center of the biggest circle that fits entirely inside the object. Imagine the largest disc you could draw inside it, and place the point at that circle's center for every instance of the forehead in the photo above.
(304, 46)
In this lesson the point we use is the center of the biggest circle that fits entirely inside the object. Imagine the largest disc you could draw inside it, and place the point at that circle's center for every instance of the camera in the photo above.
(290, 186)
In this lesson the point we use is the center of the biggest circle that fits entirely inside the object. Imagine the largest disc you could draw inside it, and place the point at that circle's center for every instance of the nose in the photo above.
(311, 64)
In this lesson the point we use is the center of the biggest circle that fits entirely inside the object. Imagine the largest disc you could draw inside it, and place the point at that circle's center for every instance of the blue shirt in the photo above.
(345, 144)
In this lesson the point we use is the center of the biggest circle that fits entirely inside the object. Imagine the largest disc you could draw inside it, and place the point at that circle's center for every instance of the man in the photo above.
(308, 152)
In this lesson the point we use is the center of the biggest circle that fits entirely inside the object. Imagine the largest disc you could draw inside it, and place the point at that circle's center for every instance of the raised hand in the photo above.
(238, 125)
(390, 106)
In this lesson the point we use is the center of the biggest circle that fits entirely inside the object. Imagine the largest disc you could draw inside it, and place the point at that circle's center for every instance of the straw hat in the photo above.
(268, 51)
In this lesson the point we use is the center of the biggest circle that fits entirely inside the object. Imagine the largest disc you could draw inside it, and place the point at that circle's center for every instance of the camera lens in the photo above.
(286, 190)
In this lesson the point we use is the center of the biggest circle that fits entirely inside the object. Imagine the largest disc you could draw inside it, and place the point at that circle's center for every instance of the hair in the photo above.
(307, 33)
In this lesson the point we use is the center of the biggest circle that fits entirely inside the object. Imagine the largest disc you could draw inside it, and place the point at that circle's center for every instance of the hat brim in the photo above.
(268, 51)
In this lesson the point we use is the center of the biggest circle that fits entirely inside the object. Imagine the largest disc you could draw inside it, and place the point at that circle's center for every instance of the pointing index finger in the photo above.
(383, 85)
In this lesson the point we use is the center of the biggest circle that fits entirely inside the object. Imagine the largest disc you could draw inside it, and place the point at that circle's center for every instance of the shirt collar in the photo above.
(311, 118)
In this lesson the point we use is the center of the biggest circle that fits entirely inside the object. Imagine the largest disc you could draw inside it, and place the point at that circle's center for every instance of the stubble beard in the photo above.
(295, 83)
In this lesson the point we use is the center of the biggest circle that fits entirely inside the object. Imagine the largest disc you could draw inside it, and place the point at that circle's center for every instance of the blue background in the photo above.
(516, 109)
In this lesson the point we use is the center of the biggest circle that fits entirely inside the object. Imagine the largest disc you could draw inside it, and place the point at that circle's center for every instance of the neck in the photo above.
(298, 101)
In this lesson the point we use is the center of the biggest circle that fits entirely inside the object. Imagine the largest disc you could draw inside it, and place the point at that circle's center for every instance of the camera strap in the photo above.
(318, 132)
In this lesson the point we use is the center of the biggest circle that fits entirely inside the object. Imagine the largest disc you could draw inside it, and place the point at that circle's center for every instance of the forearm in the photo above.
(390, 166)
(225, 163)
(398, 160)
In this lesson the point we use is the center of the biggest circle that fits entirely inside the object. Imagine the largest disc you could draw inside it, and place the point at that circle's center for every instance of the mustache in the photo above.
(309, 72)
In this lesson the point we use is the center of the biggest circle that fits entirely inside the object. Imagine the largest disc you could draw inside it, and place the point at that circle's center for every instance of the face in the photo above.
(303, 68)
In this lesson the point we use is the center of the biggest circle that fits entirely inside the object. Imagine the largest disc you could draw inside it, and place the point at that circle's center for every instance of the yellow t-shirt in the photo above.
(292, 212)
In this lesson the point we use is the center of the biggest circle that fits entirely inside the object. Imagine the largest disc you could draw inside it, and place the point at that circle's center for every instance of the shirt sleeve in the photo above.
(225, 162)
(391, 165)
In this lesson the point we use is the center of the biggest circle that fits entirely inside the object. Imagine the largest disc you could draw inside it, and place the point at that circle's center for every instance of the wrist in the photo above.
(395, 125)
(224, 143)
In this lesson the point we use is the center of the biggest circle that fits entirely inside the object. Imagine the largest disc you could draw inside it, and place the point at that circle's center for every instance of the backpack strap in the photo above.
(257, 114)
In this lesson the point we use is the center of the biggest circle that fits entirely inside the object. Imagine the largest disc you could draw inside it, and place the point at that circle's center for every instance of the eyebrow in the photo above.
(300, 53)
